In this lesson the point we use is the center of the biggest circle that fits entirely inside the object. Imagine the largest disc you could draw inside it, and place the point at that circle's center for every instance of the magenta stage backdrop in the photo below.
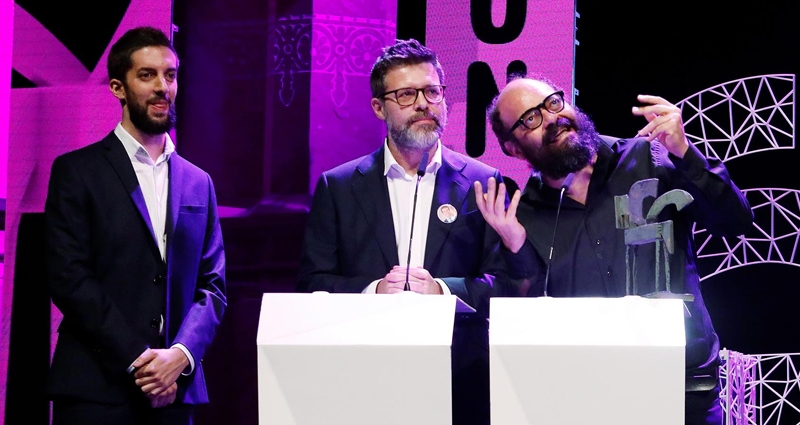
(69, 107)
(66, 104)
(478, 42)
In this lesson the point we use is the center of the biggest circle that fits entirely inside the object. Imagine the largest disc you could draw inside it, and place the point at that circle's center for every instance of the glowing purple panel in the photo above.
(68, 107)
(540, 34)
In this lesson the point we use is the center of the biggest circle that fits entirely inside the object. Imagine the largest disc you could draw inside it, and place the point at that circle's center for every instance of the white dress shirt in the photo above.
(401, 196)
(153, 179)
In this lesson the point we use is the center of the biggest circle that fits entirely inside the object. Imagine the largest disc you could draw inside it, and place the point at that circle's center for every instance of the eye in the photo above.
(554, 103)
(531, 117)
(435, 91)
(406, 93)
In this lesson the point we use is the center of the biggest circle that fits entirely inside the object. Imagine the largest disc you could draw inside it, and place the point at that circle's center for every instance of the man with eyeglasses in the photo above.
(361, 218)
(587, 253)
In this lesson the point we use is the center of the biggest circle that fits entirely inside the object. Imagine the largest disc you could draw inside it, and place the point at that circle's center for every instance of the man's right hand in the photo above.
(504, 221)
(419, 281)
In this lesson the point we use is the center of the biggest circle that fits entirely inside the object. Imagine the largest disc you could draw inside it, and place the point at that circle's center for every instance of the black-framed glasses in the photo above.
(407, 96)
(532, 118)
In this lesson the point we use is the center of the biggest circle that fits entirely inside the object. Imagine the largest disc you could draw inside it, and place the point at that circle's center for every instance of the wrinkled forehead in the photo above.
(519, 96)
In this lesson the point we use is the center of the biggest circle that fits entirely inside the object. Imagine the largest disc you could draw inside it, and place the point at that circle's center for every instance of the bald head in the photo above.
(515, 98)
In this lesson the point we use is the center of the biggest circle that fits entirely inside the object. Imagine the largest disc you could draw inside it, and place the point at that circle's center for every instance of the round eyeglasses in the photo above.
(532, 118)
(407, 96)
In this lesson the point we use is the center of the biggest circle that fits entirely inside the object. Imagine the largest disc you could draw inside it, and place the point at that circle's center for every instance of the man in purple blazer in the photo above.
(135, 258)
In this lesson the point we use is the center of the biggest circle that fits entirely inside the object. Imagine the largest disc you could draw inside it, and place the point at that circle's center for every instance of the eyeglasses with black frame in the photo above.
(407, 96)
(532, 118)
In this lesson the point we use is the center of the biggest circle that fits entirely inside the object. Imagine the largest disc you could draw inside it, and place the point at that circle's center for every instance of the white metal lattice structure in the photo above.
(759, 389)
(727, 121)
(738, 118)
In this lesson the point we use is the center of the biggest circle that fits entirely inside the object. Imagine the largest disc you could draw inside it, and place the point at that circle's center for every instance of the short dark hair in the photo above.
(119, 57)
(402, 53)
(498, 128)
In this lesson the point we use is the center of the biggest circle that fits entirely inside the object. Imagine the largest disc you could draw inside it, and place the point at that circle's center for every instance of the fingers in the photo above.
(392, 283)
(493, 201)
(500, 199)
(165, 398)
(512, 206)
(654, 107)
(419, 280)
(144, 358)
(479, 197)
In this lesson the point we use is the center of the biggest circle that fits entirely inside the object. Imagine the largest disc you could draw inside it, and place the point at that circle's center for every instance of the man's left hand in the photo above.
(419, 279)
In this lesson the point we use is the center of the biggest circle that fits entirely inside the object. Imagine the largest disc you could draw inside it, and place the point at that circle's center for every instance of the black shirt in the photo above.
(590, 255)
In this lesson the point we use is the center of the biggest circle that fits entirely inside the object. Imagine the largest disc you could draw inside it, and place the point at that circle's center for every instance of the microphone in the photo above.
(564, 187)
(423, 163)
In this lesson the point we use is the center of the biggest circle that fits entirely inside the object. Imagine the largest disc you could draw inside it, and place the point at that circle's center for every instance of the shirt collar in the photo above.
(390, 163)
(136, 151)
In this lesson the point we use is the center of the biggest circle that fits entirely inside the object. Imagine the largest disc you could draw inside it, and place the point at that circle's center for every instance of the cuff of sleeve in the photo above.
(188, 356)
(520, 265)
(445, 288)
(693, 162)
(372, 287)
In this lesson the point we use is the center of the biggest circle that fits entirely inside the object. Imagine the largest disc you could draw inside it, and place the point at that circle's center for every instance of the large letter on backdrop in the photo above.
(479, 43)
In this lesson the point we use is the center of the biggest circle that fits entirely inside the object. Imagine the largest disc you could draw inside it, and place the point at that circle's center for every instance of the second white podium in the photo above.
(576, 361)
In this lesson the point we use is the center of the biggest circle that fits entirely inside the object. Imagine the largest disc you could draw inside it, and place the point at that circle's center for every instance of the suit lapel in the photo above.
(121, 163)
(371, 193)
(451, 188)
(176, 177)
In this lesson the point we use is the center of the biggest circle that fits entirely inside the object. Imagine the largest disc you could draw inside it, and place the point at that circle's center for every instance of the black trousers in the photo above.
(70, 411)
(703, 407)
(470, 370)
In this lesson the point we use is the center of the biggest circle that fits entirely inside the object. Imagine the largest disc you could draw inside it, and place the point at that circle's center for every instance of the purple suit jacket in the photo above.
(106, 276)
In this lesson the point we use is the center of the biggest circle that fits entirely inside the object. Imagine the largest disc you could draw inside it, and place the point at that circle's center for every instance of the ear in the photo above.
(117, 89)
(513, 148)
(379, 108)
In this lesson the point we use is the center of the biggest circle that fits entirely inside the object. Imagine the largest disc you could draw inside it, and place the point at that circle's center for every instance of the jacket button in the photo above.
(158, 280)
(154, 323)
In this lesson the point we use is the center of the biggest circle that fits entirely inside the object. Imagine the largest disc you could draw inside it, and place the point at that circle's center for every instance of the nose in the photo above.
(549, 117)
(161, 83)
(421, 103)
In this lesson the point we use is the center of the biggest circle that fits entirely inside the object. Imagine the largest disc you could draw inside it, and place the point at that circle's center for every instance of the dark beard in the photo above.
(147, 125)
(555, 161)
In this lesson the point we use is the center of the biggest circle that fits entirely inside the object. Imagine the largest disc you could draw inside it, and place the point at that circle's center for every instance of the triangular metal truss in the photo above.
(738, 118)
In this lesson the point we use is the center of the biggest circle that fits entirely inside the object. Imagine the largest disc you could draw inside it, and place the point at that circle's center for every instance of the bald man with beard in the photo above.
(534, 122)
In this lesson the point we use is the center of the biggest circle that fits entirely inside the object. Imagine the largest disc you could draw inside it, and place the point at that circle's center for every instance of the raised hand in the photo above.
(504, 221)
(664, 123)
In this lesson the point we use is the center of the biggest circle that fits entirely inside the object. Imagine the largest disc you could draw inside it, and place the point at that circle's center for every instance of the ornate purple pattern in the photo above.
(341, 46)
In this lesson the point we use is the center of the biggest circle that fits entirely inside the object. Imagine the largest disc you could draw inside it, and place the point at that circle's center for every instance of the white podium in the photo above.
(355, 359)
(576, 361)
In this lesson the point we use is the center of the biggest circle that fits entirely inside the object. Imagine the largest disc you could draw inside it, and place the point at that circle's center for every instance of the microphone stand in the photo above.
(423, 163)
(564, 187)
